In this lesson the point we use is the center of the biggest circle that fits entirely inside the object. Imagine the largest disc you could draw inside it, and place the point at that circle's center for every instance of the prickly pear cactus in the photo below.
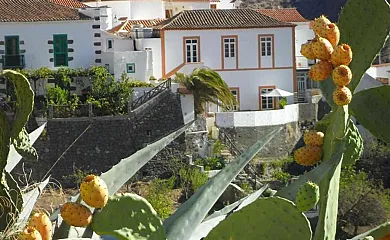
(128, 217)
(307, 196)
(23, 146)
(266, 218)
(354, 143)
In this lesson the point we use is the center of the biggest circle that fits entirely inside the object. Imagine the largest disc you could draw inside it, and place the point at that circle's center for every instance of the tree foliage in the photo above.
(207, 86)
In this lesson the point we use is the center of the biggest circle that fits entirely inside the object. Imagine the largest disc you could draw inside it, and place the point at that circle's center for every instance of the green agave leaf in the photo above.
(376, 233)
(266, 218)
(24, 98)
(14, 157)
(187, 218)
(128, 217)
(369, 108)
(355, 23)
(123, 171)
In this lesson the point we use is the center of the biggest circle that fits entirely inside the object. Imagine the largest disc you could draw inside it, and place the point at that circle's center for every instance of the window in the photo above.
(266, 46)
(230, 47)
(236, 93)
(107, 67)
(266, 102)
(60, 42)
(130, 68)
(213, 6)
(192, 50)
(11, 45)
(168, 13)
(110, 44)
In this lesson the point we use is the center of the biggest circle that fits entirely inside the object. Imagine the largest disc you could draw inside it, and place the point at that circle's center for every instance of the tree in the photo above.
(207, 86)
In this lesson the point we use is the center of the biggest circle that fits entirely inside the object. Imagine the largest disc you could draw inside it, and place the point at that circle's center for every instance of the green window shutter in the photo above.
(60, 42)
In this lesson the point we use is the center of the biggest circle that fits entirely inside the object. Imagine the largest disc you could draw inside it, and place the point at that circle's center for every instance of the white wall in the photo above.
(117, 63)
(155, 45)
(248, 77)
(258, 118)
(37, 34)
(177, 7)
(380, 71)
(146, 9)
(187, 107)
(104, 13)
(302, 34)
(119, 8)
(224, 4)
(119, 45)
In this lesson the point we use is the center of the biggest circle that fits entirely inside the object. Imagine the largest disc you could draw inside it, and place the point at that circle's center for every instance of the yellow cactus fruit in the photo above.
(41, 222)
(94, 192)
(314, 138)
(320, 71)
(342, 96)
(341, 55)
(342, 75)
(75, 214)
(332, 34)
(319, 25)
(30, 233)
(322, 48)
(308, 155)
(307, 51)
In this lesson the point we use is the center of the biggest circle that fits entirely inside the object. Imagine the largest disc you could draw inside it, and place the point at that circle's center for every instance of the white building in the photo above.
(42, 33)
(303, 33)
(252, 52)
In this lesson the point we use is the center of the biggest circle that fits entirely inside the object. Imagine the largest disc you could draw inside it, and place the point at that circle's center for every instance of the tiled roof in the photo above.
(284, 14)
(220, 18)
(70, 3)
(127, 24)
(36, 11)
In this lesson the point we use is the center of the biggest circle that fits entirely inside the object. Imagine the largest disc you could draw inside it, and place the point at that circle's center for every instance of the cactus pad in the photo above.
(307, 196)
(4, 140)
(25, 100)
(265, 218)
(23, 146)
(128, 216)
(382, 232)
(354, 143)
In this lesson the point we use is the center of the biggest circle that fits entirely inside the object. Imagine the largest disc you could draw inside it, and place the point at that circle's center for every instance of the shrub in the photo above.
(191, 179)
(160, 198)
(213, 163)
(284, 177)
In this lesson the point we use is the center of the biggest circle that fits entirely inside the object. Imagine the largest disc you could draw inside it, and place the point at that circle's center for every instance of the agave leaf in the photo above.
(187, 218)
(251, 198)
(29, 200)
(119, 174)
(14, 157)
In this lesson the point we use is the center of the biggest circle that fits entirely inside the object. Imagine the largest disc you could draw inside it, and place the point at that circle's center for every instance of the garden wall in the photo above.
(103, 141)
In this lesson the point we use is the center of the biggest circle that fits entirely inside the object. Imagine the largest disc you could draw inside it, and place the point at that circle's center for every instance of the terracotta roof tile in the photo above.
(220, 18)
(284, 14)
(37, 10)
(70, 3)
(127, 24)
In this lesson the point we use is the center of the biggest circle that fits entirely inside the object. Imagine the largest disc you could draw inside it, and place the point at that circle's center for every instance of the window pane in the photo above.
(226, 40)
(268, 39)
(188, 41)
(194, 41)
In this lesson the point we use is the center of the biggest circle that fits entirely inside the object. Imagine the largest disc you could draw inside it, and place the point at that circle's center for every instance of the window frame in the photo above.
(189, 44)
(229, 47)
(266, 46)
(65, 52)
(237, 95)
(273, 103)
(17, 44)
(127, 67)
(112, 43)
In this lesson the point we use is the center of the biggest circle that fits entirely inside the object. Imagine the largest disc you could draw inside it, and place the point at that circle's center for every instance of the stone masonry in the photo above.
(105, 141)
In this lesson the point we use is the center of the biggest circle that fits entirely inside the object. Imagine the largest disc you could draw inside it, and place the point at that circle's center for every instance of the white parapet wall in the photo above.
(258, 118)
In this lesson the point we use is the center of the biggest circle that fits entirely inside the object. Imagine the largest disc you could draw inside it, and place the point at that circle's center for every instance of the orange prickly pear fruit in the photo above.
(41, 222)
(308, 155)
(94, 192)
(30, 233)
(342, 75)
(75, 214)
(322, 48)
(342, 55)
(320, 71)
(307, 51)
(342, 96)
(319, 26)
(332, 34)
(313, 138)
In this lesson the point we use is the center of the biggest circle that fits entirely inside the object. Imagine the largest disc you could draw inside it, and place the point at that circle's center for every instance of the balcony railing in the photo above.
(13, 61)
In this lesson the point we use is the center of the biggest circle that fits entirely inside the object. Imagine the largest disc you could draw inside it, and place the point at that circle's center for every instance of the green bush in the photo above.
(213, 163)
(159, 196)
(191, 179)
(284, 177)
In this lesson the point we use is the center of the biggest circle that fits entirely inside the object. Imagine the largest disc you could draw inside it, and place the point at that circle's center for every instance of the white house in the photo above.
(303, 33)
(252, 52)
(42, 33)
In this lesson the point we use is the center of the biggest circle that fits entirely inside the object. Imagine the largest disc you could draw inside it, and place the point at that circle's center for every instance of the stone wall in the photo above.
(99, 143)
(281, 145)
